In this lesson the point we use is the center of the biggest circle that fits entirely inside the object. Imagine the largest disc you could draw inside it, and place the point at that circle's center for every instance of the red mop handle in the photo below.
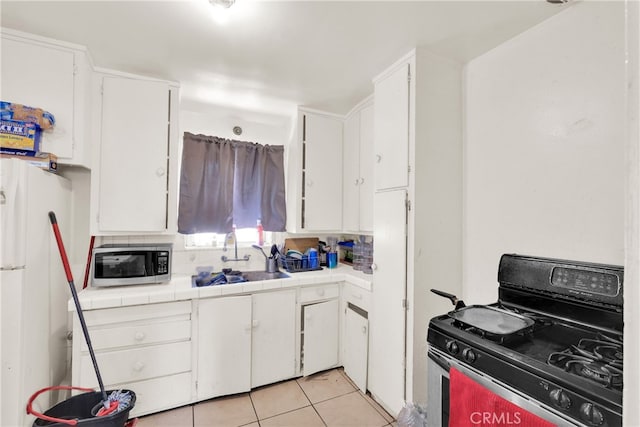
(63, 253)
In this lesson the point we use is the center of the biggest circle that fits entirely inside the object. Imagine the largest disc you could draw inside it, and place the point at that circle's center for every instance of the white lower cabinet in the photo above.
(356, 345)
(133, 353)
(356, 303)
(273, 337)
(223, 346)
(320, 308)
(245, 342)
(176, 353)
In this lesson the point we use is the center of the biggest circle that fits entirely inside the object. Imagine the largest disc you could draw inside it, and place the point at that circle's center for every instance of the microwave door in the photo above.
(123, 265)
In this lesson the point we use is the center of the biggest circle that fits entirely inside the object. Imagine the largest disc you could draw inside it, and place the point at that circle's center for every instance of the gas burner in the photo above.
(606, 351)
(598, 371)
(593, 366)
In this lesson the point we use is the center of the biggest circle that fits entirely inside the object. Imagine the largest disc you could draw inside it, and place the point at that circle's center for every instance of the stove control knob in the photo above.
(591, 414)
(452, 347)
(469, 355)
(560, 398)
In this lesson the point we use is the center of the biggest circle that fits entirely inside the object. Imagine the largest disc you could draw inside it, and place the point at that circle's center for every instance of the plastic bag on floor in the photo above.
(412, 416)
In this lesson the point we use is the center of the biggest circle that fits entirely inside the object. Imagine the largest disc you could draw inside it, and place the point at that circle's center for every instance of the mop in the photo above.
(117, 400)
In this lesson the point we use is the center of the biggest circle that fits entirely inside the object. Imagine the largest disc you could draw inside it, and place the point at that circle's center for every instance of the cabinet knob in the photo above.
(309, 183)
(356, 296)
(364, 329)
(160, 172)
(139, 336)
(361, 181)
(357, 181)
(320, 292)
(374, 266)
(138, 366)
(378, 158)
(255, 324)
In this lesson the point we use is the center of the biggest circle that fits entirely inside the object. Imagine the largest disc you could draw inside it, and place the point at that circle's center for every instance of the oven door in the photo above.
(439, 364)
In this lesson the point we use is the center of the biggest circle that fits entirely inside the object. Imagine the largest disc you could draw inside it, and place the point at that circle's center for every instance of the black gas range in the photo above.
(552, 343)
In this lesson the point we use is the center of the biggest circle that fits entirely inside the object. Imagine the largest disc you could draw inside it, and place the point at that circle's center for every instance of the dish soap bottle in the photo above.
(260, 230)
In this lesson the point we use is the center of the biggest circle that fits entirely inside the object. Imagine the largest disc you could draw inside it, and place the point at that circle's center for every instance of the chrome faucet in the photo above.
(225, 258)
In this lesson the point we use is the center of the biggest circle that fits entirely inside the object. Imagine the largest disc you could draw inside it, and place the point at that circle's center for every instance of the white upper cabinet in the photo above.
(391, 135)
(54, 76)
(315, 180)
(357, 191)
(133, 184)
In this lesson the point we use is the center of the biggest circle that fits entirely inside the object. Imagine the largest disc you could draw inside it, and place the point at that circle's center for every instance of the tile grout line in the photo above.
(312, 404)
(254, 409)
(367, 398)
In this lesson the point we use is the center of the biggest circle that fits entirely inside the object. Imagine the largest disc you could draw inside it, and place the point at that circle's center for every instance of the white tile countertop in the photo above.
(180, 288)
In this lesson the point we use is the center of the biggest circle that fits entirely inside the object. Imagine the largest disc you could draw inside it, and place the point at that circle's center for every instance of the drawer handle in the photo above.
(139, 336)
(138, 366)
(356, 296)
(320, 292)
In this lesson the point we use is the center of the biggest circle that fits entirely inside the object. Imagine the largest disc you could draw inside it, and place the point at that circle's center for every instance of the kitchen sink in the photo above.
(252, 276)
(231, 277)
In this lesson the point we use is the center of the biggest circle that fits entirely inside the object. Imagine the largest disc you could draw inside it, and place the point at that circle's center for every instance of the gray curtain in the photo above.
(225, 182)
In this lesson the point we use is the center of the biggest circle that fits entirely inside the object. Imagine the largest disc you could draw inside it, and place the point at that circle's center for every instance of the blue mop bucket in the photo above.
(81, 410)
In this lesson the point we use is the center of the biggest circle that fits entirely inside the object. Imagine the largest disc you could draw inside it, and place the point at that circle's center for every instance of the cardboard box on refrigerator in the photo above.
(19, 138)
(46, 161)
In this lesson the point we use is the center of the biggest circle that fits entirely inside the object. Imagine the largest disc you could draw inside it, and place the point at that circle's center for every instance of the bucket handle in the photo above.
(33, 397)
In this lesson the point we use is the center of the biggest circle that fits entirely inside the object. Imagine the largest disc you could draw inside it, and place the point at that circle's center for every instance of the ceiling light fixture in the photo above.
(223, 3)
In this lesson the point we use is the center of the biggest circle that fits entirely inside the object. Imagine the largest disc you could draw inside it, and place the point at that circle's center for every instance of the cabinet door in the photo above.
(133, 155)
(366, 169)
(320, 336)
(392, 130)
(356, 342)
(273, 338)
(224, 346)
(387, 320)
(42, 77)
(322, 180)
(351, 174)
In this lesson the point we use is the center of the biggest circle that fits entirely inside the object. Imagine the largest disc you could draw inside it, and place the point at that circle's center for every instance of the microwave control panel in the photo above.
(163, 263)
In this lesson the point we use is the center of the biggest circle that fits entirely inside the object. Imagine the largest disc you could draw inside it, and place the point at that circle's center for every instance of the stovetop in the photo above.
(571, 355)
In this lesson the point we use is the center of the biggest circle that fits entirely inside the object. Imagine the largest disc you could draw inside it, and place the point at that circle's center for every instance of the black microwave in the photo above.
(132, 264)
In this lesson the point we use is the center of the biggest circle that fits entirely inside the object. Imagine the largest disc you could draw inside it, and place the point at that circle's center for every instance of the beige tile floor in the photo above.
(325, 399)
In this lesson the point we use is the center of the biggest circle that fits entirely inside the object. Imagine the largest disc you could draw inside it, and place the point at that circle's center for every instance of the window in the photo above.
(245, 236)
(226, 183)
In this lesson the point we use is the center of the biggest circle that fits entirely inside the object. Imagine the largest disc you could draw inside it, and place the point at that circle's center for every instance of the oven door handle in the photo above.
(441, 361)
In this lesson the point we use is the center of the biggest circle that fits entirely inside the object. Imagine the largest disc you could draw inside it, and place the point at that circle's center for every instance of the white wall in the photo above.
(544, 147)
(631, 395)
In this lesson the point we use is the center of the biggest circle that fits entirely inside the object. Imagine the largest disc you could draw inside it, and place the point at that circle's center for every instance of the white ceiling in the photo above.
(270, 56)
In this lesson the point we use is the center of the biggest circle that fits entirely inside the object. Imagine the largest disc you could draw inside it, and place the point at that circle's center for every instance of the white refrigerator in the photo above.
(33, 288)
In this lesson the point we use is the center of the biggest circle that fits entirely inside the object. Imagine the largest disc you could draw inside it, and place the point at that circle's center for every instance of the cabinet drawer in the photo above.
(137, 364)
(357, 296)
(157, 332)
(159, 394)
(315, 293)
(121, 315)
